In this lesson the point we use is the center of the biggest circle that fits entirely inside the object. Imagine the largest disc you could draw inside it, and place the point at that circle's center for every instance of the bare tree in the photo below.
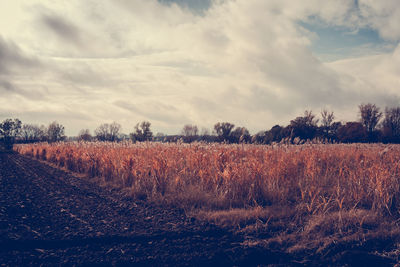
(327, 118)
(102, 132)
(32, 132)
(114, 129)
(42, 133)
(370, 116)
(310, 118)
(108, 132)
(190, 133)
(27, 132)
(223, 130)
(391, 124)
(327, 122)
(55, 132)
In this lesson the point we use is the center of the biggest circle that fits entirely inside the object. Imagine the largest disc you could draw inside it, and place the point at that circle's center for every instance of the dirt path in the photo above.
(50, 217)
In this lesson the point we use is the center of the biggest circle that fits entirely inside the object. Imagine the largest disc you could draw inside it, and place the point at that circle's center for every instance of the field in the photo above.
(313, 178)
(305, 200)
(49, 217)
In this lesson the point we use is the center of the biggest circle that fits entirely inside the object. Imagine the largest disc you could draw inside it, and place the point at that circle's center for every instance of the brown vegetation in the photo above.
(326, 192)
(317, 178)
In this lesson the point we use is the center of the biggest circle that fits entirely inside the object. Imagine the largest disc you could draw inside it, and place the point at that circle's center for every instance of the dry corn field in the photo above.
(313, 178)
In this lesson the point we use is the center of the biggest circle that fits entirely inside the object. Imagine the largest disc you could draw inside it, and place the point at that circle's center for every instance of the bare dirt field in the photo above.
(50, 217)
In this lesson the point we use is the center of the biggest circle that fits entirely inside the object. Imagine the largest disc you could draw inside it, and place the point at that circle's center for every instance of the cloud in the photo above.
(197, 6)
(12, 58)
(382, 16)
(63, 29)
(375, 78)
(7, 86)
(156, 111)
(249, 62)
(8, 89)
(15, 67)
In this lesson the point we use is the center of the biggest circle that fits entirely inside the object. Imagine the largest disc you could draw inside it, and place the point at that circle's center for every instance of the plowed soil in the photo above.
(49, 217)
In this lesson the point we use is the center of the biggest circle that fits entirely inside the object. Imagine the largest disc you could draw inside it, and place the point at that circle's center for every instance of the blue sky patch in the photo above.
(197, 6)
(337, 42)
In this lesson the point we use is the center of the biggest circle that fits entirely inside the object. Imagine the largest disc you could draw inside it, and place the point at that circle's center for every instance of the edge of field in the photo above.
(354, 236)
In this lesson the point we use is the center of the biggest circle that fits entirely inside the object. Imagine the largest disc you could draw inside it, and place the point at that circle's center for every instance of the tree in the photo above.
(55, 132)
(223, 131)
(206, 136)
(328, 128)
(275, 134)
(258, 138)
(370, 116)
(114, 129)
(84, 135)
(102, 132)
(189, 133)
(108, 132)
(142, 132)
(9, 130)
(304, 127)
(33, 133)
(333, 130)
(240, 135)
(352, 132)
(391, 125)
(326, 122)
(327, 118)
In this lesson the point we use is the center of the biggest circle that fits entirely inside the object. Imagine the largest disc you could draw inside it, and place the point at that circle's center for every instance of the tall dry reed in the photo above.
(316, 178)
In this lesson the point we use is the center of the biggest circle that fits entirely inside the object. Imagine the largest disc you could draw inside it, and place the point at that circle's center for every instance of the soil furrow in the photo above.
(48, 216)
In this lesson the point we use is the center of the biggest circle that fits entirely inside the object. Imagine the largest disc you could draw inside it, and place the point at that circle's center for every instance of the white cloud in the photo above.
(245, 61)
(383, 16)
(377, 75)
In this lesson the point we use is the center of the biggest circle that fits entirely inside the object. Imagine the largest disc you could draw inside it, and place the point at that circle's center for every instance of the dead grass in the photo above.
(324, 234)
(299, 198)
(238, 217)
(320, 178)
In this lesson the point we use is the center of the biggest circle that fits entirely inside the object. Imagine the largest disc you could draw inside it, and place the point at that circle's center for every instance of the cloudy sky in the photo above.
(255, 63)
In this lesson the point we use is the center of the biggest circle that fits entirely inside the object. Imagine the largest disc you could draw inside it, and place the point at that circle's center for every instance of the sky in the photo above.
(254, 63)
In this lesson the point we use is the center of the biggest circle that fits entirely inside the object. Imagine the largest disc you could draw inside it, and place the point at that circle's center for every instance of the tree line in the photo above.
(373, 125)
(12, 131)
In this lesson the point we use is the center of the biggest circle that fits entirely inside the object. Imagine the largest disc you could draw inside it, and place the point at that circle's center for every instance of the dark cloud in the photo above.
(62, 28)
(7, 86)
(14, 64)
(13, 59)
